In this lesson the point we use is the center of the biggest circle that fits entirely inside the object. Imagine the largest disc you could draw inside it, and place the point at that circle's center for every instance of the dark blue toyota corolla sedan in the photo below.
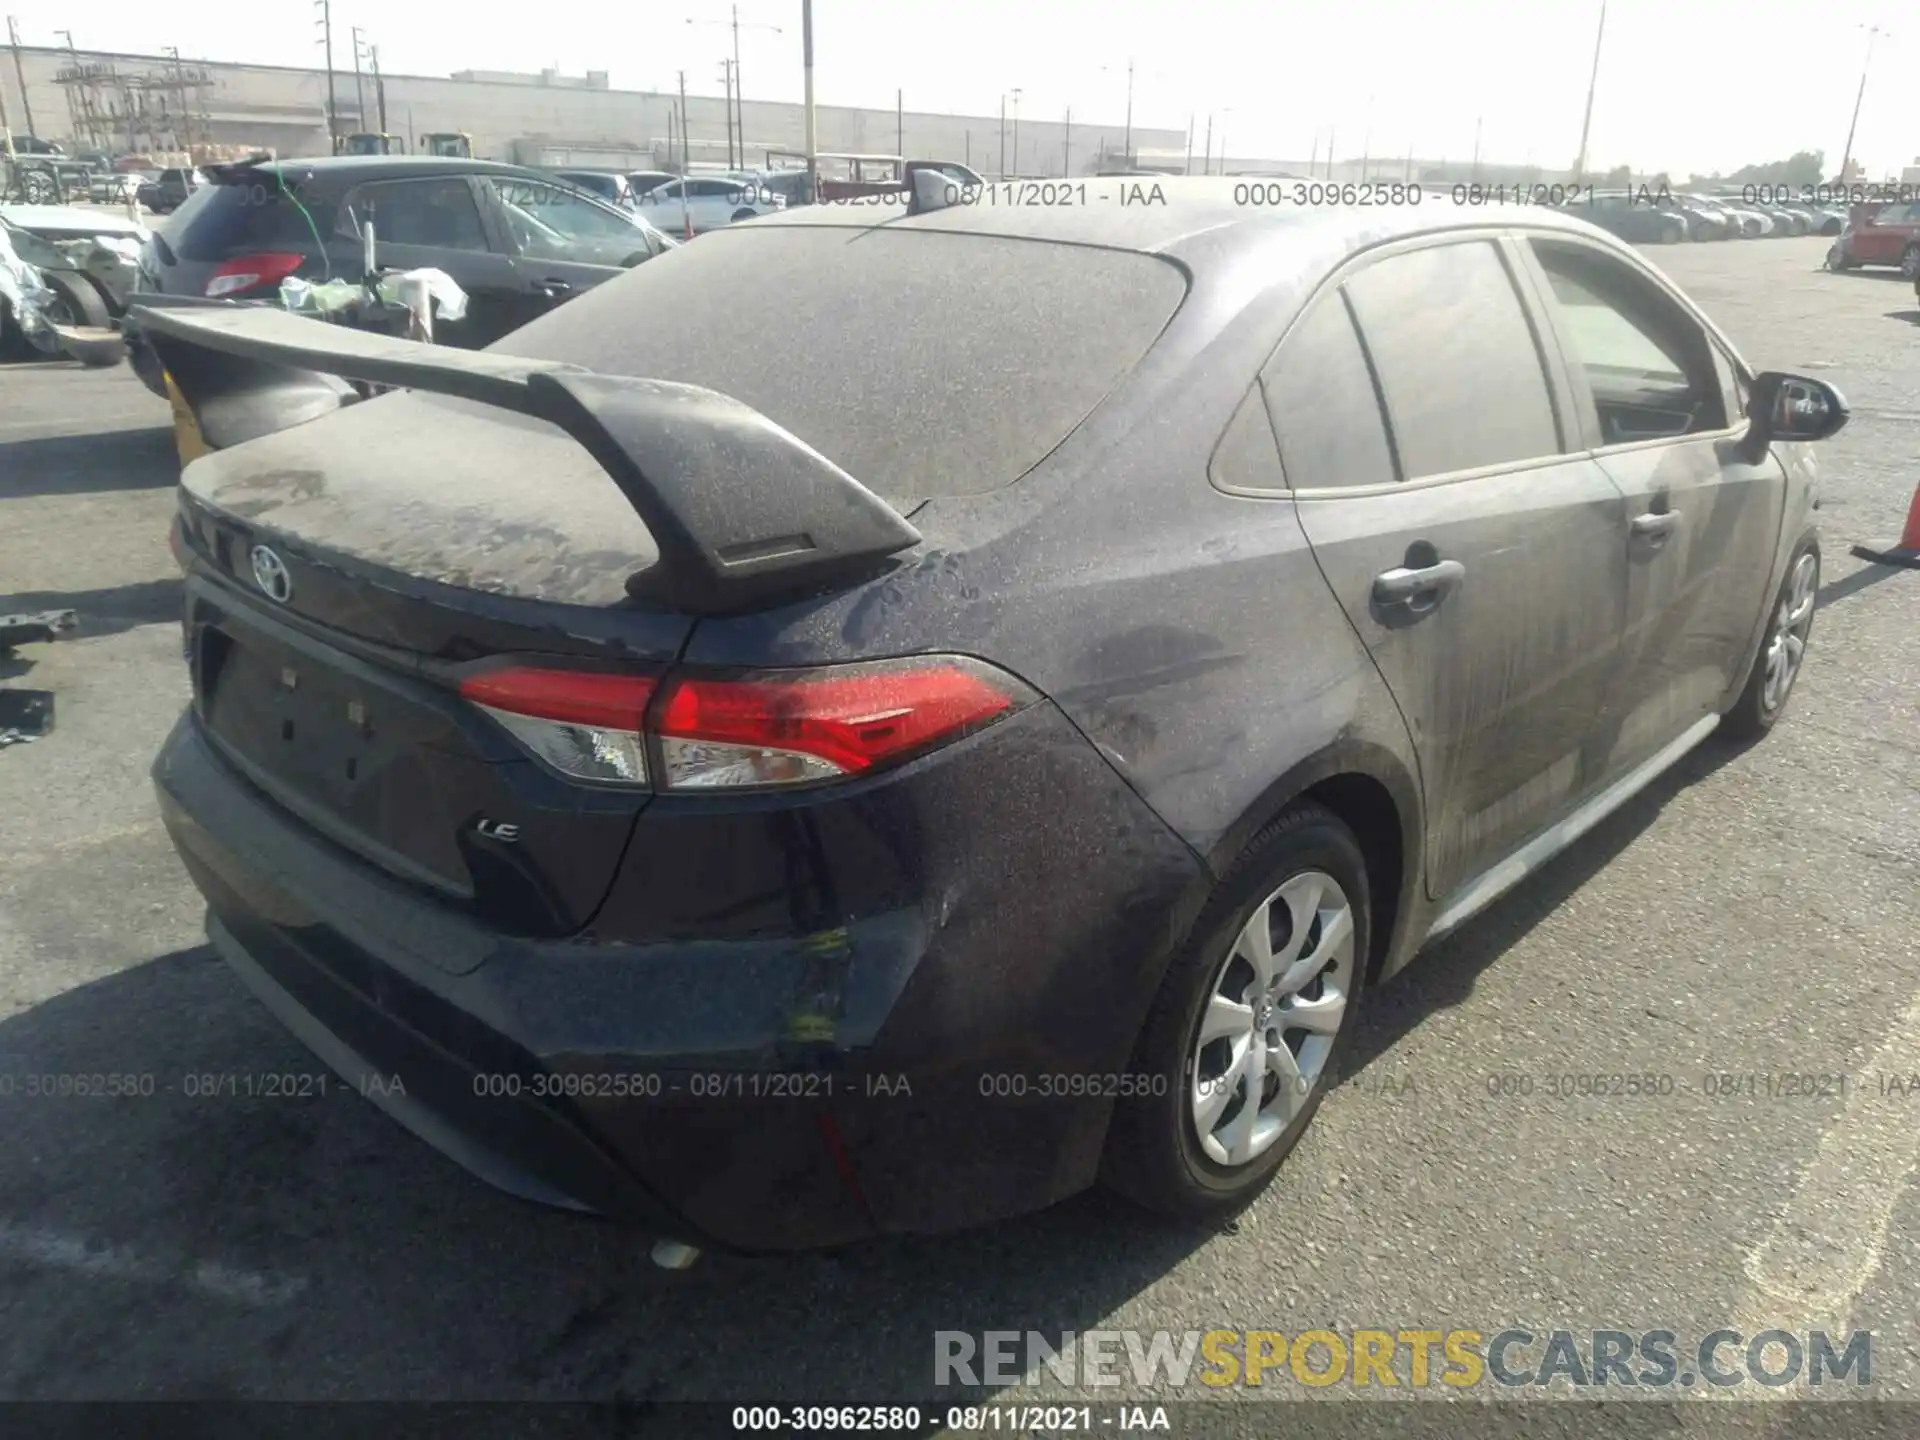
(981, 721)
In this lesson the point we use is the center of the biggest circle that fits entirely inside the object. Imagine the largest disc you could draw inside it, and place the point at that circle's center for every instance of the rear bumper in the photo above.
(757, 1091)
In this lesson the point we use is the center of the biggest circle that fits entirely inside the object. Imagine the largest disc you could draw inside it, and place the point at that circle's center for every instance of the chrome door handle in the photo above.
(1656, 523)
(1422, 588)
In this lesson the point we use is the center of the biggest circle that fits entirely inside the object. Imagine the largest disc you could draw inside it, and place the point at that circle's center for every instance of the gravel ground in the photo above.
(1751, 913)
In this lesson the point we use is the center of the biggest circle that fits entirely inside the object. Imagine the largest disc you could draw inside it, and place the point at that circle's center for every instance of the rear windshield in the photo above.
(252, 210)
(922, 363)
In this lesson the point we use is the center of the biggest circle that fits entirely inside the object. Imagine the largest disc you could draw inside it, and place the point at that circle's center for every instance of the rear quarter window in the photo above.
(923, 363)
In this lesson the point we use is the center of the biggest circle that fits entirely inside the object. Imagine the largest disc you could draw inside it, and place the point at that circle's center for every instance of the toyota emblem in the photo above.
(270, 574)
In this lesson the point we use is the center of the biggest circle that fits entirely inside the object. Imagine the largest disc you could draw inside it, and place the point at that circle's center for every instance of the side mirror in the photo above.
(1792, 408)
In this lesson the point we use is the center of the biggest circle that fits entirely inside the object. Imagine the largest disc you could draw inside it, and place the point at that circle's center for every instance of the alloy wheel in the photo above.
(1787, 638)
(1272, 1016)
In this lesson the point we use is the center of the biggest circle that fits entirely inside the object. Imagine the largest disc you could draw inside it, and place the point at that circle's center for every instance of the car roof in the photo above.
(1118, 213)
(375, 167)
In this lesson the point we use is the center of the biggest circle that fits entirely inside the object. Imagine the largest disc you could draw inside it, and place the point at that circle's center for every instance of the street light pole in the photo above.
(1003, 137)
(1130, 163)
(1206, 162)
(1593, 81)
(1846, 157)
(726, 82)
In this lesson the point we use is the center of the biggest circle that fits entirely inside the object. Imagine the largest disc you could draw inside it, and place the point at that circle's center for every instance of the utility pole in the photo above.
(686, 153)
(1003, 136)
(380, 91)
(359, 89)
(813, 133)
(180, 95)
(1331, 132)
(726, 80)
(900, 123)
(1189, 168)
(19, 70)
(1206, 166)
(1593, 81)
(1066, 149)
(1846, 156)
(325, 8)
(1130, 164)
(1478, 122)
(1313, 160)
(738, 101)
(1016, 129)
(6, 130)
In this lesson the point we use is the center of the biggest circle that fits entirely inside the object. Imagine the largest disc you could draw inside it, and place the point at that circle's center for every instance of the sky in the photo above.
(1686, 86)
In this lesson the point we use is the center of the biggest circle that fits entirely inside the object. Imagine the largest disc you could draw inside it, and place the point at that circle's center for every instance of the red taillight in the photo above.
(791, 728)
(249, 272)
(775, 728)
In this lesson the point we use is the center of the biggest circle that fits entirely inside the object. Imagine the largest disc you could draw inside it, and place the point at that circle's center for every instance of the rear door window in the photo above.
(1325, 410)
(1458, 363)
(439, 214)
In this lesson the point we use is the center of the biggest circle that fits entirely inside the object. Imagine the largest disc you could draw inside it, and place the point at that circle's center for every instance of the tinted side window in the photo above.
(1325, 410)
(1456, 358)
(439, 213)
(1649, 366)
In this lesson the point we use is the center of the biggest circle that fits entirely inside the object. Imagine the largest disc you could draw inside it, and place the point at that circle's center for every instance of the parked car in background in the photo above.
(706, 202)
(1741, 222)
(169, 190)
(641, 181)
(1705, 222)
(1879, 234)
(517, 240)
(610, 185)
(1277, 593)
(1634, 216)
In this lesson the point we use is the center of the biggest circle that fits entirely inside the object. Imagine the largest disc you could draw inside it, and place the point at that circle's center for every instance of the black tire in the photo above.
(1910, 262)
(75, 302)
(1753, 714)
(1153, 1154)
(743, 213)
(1837, 262)
(40, 188)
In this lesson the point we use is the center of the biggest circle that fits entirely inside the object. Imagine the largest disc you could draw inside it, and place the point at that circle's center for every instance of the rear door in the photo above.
(1654, 396)
(1477, 553)
(435, 222)
(562, 242)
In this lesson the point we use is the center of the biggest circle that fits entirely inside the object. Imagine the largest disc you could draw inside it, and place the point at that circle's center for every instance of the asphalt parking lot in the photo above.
(1753, 913)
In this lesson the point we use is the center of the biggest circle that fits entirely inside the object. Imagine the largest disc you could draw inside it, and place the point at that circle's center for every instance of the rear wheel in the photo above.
(1783, 649)
(1837, 260)
(1245, 1036)
(743, 214)
(1910, 262)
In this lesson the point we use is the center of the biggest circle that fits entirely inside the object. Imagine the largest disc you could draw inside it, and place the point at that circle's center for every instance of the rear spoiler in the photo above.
(742, 512)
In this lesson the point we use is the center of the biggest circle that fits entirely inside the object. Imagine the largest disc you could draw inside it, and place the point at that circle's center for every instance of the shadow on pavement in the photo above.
(108, 611)
(139, 459)
(1444, 976)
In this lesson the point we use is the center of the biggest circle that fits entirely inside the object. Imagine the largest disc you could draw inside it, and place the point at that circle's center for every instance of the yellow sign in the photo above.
(186, 429)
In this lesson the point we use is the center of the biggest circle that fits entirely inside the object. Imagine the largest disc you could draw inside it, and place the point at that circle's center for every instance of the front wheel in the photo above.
(1783, 650)
(1910, 262)
(1837, 260)
(1245, 1035)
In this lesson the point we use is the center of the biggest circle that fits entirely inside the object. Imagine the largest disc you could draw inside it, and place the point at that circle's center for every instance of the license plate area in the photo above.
(346, 749)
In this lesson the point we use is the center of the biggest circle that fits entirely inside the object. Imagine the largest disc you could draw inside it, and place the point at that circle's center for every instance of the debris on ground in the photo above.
(37, 625)
(24, 715)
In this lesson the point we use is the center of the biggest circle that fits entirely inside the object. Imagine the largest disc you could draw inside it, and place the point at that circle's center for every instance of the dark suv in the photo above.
(518, 241)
